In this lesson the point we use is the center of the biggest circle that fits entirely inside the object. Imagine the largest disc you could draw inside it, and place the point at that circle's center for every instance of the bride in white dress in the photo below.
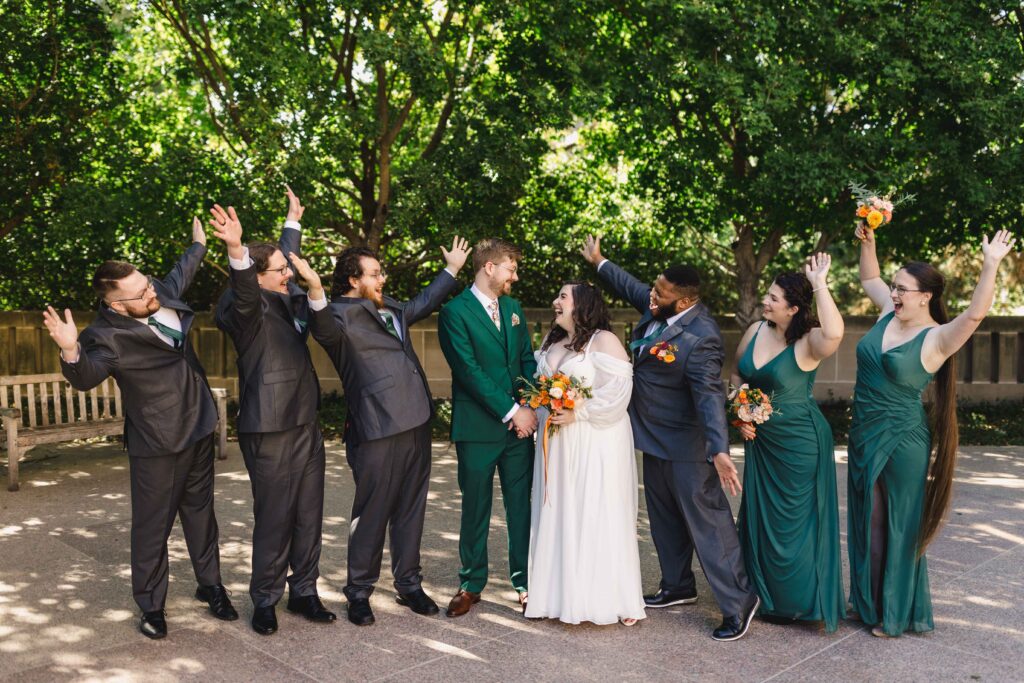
(584, 557)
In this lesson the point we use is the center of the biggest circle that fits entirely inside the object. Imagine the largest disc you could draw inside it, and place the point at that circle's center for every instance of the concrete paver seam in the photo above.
(862, 629)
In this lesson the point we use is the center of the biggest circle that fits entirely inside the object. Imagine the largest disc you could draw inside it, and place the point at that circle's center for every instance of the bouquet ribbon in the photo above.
(544, 447)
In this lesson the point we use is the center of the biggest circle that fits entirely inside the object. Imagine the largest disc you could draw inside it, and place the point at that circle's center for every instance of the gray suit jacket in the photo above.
(678, 409)
(385, 386)
(167, 401)
(277, 385)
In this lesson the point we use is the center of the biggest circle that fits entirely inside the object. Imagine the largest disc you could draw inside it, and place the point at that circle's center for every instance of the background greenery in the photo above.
(721, 132)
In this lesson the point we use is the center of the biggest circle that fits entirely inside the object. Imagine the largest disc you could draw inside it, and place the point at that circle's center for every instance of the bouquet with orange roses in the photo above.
(750, 405)
(554, 392)
(874, 209)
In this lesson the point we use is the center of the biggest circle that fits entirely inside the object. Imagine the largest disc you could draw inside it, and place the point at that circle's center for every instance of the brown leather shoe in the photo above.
(461, 603)
(522, 600)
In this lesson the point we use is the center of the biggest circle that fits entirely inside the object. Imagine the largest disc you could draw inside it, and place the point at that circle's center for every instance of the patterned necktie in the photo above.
(174, 334)
(635, 346)
(493, 308)
(389, 322)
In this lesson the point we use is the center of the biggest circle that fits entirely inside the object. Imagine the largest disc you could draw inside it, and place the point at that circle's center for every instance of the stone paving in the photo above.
(66, 611)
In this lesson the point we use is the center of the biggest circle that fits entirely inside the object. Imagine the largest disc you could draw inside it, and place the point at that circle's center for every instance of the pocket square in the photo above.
(515, 320)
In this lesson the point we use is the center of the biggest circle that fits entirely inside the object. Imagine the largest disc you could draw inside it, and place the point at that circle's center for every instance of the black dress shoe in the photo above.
(310, 607)
(359, 612)
(734, 628)
(153, 625)
(264, 620)
(220, 604)
(418, 601)
(664, 598)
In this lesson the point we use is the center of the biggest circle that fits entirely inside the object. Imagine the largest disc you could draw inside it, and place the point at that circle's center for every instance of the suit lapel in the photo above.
(505, 313)
(669, 332)
(477, 309)
(140, 328)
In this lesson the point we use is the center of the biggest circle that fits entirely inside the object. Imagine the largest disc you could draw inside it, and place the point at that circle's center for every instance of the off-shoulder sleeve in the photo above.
(612, 389)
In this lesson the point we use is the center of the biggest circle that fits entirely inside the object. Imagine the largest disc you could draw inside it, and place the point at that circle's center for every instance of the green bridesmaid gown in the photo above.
(889, 445)
(789, 517)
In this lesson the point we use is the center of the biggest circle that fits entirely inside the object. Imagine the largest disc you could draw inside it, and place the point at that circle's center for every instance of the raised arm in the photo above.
(246, 305)
(622, 283)
(453, 334)
(433, 295)
(180, 277)
(947, 339)
(291, 234)
(870, 273)
(822, 341)
(84, 365)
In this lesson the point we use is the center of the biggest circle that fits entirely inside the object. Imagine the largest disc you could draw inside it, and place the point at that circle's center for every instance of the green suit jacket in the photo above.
(486, 364)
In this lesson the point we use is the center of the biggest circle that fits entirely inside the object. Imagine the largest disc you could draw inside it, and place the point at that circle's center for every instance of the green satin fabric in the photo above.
(889, 441)
(789, 517)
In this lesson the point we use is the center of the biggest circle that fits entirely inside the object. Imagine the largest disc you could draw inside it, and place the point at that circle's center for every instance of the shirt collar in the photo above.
(484, 300)
(674, 319)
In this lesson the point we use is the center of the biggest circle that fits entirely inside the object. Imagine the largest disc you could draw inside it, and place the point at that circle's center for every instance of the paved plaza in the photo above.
(66, 611)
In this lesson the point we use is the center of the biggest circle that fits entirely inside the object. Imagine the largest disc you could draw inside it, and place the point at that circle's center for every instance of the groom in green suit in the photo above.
(485, 338)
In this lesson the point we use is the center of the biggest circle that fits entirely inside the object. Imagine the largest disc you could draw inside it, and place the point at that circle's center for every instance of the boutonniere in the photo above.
(515, 320)
(664, 352)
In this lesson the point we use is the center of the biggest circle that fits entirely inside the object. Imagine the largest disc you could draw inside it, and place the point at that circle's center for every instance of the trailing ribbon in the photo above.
(544, 446)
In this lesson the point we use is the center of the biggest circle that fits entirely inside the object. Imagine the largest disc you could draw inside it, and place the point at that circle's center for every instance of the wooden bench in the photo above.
(40, 409)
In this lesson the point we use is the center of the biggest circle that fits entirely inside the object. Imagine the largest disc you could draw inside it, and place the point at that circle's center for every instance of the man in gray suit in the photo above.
(140, 337)
(267, 315)
(679, 422)
(387, 431)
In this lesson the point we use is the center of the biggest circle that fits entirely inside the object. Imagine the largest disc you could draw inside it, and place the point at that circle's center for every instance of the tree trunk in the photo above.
(750, 266)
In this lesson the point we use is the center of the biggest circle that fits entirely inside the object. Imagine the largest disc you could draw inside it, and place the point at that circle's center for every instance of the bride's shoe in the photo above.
(628, 622)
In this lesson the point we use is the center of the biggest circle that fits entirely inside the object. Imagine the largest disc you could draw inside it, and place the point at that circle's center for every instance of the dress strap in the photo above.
(586, 349)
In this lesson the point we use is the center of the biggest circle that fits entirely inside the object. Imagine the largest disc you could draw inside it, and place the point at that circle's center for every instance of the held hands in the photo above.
(227, 228)
(198, 234)
(816, 269)
(728, 474)
(524, 422)
(63, 332)
(591, 250)
(303, 270)
(456, 258)
(295, 207)
(997, 249)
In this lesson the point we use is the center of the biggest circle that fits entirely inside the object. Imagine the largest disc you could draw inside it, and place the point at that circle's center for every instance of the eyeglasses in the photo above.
(511, 269)
(382, 275)
(145, 292)
(280, 271)
(901, 290)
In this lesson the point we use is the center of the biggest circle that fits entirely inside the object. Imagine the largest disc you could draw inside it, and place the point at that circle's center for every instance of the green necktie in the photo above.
(389, 322)
(635, 346)
(174, 334)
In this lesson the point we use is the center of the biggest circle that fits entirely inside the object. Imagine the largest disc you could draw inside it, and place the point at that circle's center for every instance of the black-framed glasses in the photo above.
(149, 286)
(900, 289)
(280, 271)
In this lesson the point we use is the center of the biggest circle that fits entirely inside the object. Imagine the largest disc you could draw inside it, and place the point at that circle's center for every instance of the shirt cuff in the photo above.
(449, 271)
(317, 304)
(509, 414)
(294, 225)
(603, 261)
(242, 263)
(71, 362)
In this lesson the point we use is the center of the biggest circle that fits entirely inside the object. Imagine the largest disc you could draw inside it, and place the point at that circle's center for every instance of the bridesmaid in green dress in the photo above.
(899, 489)
(789, 517)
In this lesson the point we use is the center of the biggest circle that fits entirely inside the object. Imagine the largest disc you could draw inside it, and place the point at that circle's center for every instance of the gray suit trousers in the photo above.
(164, 487)
(392, 476)
(688, 511)
(286, 471)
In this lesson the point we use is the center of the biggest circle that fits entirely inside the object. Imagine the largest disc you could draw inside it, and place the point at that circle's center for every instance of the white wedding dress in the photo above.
(584, 557)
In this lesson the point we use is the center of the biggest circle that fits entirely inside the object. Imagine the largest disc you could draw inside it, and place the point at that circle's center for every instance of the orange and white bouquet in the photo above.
(555, 392)
(875, 209)
(750, 405)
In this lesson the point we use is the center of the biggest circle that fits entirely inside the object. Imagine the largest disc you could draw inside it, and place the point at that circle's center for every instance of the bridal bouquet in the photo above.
(555, 392)
(750, 405)
(873, 209)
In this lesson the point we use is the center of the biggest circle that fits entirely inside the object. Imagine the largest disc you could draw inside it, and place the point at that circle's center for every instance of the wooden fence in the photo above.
(991, 365)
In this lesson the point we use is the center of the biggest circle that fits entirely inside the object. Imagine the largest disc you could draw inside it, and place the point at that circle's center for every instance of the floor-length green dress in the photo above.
(789, 517)
(890, 443)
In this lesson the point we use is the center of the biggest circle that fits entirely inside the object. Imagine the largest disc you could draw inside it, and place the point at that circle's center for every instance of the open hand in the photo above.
(226, 226)
(305, 271)
(456, 258)
(816, 269)
(728, 473)
(1000, 245)
(295, 207)
(591, 250)
(63, 331)
(198, 234)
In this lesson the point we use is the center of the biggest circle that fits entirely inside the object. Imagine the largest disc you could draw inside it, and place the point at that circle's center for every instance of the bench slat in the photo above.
(14, 380)
(105, 403)
(3, 397)
(44, 407)
(53, 434)
(118, 405)
(94, 403)
(82, 413)
(55, 388)
(69, 398)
